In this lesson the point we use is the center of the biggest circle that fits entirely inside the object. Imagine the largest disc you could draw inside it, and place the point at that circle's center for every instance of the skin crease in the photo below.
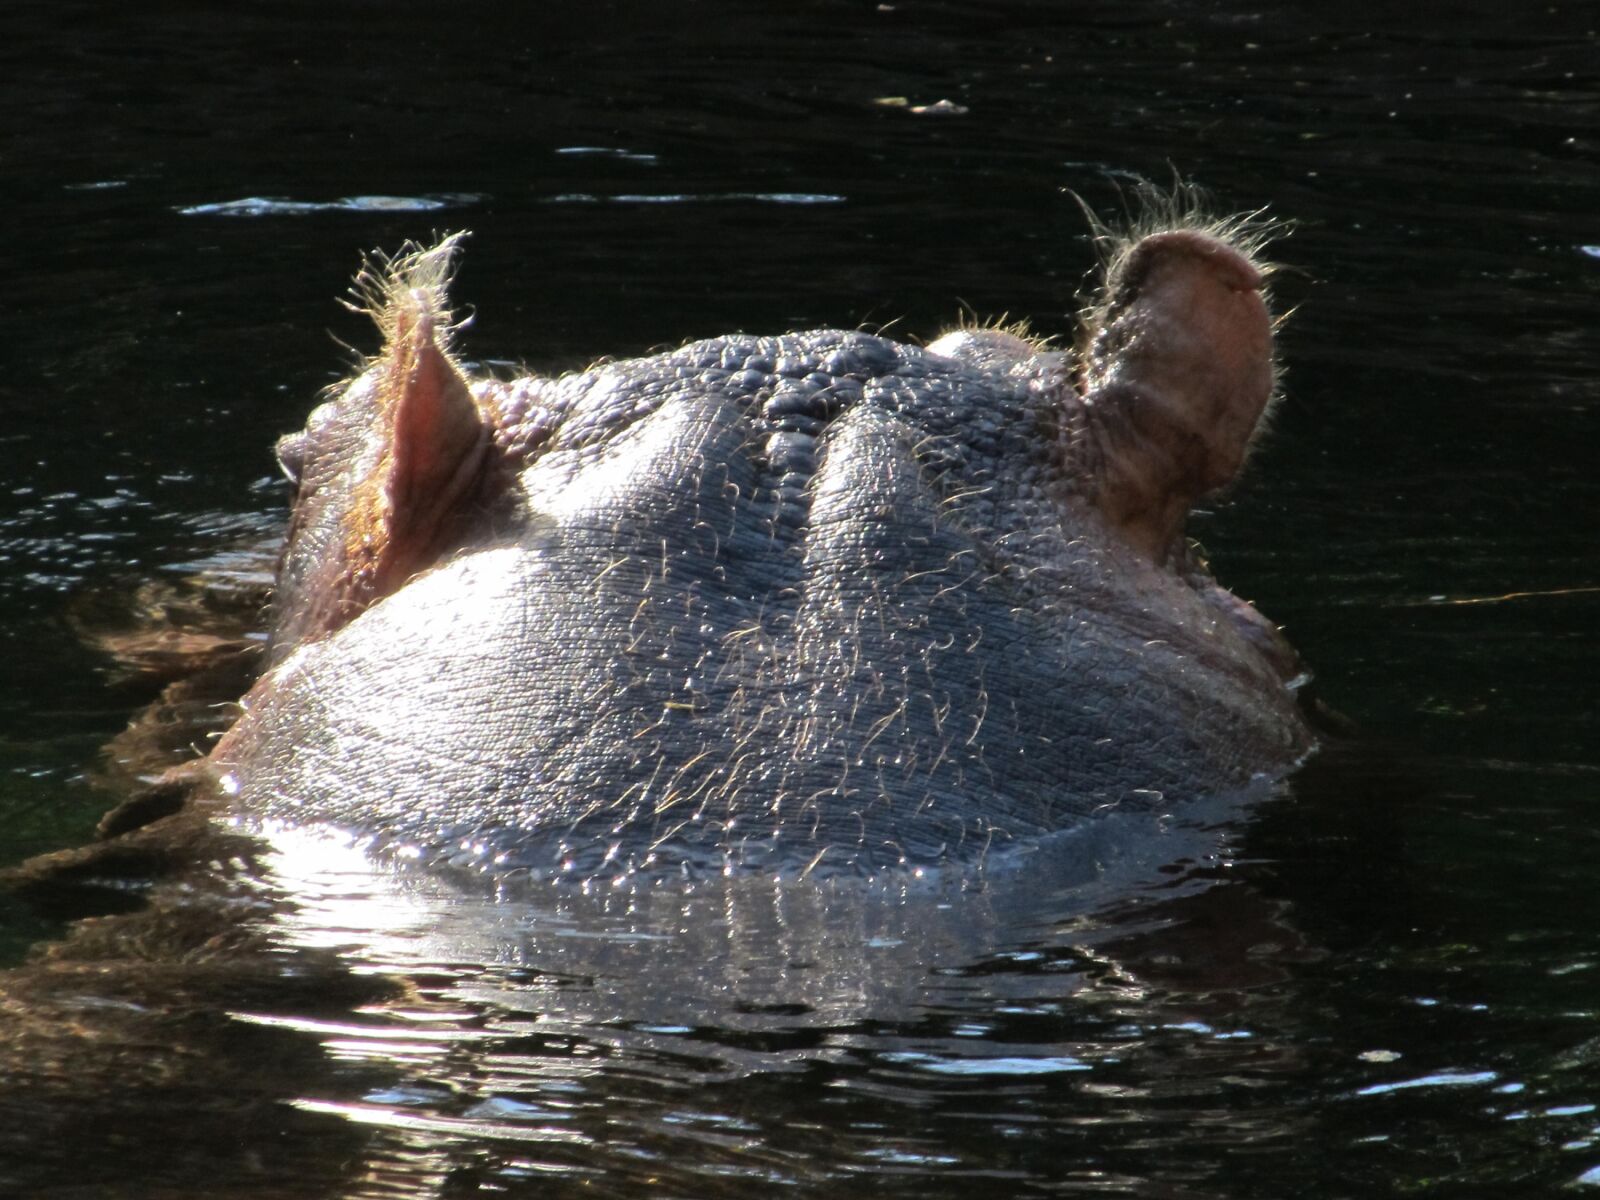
(819, 600)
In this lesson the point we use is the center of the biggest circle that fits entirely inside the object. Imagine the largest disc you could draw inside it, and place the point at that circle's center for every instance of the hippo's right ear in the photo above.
(1178, 373)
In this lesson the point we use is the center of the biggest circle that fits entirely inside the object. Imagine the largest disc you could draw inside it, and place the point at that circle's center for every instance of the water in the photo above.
(1381, 982)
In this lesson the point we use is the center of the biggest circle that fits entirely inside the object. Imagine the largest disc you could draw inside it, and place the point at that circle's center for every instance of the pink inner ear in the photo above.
(436, 424)
(438, 448)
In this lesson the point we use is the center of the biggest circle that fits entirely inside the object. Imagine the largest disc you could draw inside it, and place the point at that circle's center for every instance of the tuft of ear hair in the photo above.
(1151, 209)
(409, 287)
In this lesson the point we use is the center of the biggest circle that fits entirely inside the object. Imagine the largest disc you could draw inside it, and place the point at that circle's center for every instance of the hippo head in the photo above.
(817, 599)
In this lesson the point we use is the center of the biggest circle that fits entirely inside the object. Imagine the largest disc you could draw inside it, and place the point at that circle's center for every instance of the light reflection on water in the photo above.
(574, 1019)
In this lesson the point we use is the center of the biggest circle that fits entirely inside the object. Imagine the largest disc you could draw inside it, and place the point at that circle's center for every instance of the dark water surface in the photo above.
(1386, 981)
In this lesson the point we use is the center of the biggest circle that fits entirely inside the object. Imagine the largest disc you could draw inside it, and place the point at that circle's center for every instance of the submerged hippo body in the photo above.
(819, 601)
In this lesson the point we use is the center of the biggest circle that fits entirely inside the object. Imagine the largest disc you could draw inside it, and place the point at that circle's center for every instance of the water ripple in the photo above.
(1436, 1080)
(697, 198)
(278, 206)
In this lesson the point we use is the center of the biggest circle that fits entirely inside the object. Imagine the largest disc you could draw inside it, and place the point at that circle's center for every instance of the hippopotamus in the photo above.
(818, 602)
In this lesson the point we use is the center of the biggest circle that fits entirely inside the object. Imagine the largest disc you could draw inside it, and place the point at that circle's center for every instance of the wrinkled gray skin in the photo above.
(820, 601)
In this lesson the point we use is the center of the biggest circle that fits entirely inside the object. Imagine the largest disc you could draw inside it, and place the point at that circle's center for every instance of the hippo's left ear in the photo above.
(435, 446)
(437, 435)
(387, 473)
